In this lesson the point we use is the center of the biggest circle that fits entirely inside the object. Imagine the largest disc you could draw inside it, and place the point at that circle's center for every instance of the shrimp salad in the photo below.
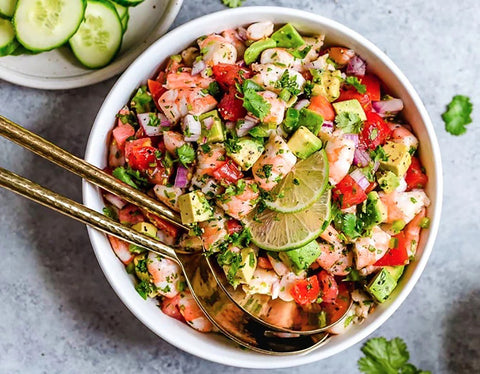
(291, 165)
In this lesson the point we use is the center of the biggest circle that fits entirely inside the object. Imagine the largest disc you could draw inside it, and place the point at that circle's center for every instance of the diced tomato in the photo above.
(375, 131)
(340, 55)
(162, 224)
(233, 226)
(305, 291)
(398, 255)
(228, 172)
(372, 84)
(328, 287)
(158, 174)
(264, 263)
(338, 308)
(120, 247)
(142, 158)
(122, 132)
(415, 177)
(371, 187)
(228, 74)
(130, 215)
(348, 192)
(156, 89)
(351, 93)
(137, 143)
(231, 107)
(323, 107)
(171, 308)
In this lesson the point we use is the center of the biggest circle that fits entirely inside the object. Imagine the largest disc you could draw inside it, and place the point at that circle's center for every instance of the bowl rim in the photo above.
(90, 77)
(272, 11)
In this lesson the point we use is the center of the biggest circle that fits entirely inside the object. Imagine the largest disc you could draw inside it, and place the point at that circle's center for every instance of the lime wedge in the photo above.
(302, 186)
(275, 231)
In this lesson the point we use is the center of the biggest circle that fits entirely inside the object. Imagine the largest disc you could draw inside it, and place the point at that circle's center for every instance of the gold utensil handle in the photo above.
(80, 167)
(70, 208)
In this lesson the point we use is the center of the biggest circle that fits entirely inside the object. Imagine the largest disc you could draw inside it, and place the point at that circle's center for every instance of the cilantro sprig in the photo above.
(458, 115)
(349, 122)
(384, 356)
(354, 81)
(255, 104)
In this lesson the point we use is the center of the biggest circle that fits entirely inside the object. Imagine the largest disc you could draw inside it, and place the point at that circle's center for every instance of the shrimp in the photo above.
(400, 134)
(362, 303)
(177, 103)
(267, 75)
(286, 283)
(170, 307)
(412, 232)
(335, 257)
(370, 249)
(403, 205)
(277, 107)
(192, 313)
(263, 282)
(278, 266)
(168, 195)
(340, 151)
(214, 231)
(210, 160)
(173, 140)
(278, 56)
(120, 248)
(238, 206)
(281, 313)
(274, 163)
(217, 50)
(316, 43)
(166, 274)
(259, 30)
(185, 79)
(233, 38)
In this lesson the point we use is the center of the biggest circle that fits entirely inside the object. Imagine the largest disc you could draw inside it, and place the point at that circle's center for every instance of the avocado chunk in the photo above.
(288, 37)
(388, 181)
(395, 271)
(382, 285)
(244, 272)
(399, 158)
(145, 228)
(328, 85)
(215, 133)
(301, 258)
(290, 123)
(255, 49)
(194, 207)
(350, 106)
(249, 152)
(311, 120)
(303, 143)
(373, 211)
(140, 262)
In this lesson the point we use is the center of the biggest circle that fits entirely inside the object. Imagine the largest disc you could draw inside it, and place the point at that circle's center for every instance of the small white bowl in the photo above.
(212, 346)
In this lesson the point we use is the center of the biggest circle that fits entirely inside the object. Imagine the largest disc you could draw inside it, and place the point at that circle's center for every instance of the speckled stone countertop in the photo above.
(59, 315)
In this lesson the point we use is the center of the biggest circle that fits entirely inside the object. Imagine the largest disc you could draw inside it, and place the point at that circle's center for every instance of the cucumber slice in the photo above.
(121, 10)
(8, 43)
(128, 3)
(7, 7)
(125, 22)
(42, 25)
(99, 36)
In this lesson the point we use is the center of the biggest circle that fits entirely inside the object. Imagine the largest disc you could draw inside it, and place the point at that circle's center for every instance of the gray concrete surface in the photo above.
(59, 315)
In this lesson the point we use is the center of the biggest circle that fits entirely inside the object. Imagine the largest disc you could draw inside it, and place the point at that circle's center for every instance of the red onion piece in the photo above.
(245, 127)
(208, 122)
(192, 128)
(301, 104)
(164, 122)
(361, 157)
(181, 179)
(327, 124)
(230, 125)
(115, 200)
(352, 137)
(356, 66)
(386, 107)
(360, 178)
(198, 67)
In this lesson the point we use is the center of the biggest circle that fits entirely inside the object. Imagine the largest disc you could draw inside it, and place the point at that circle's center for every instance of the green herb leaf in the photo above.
(289, 83)
(255, 104)
(386, 357)
(458, 115)
(142, 102)
(214, 89)
(233, 3)
(353, 81)
(349, 122)
(131, 177)
(110, 212)
(186, 154)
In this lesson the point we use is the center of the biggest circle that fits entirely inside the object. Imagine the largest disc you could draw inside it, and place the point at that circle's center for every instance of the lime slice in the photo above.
(275, 231)
(302, 186)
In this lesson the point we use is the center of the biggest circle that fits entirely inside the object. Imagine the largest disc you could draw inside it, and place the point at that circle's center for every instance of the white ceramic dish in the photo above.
(58, 69)
(211, 346)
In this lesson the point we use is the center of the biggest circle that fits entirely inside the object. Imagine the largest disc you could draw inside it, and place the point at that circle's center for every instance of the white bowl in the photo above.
(211, 346)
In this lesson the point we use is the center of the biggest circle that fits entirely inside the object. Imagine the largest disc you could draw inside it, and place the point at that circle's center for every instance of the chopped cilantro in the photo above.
(255, 104)
(308, 89)
(231, 143)
(110, 212)
(131, 177)
(267, 170)
(153, 120)
(186, 154)
(133, 248)
(353, 81)
(142, 102)
(349, 122)
(144, 289)
(214, 89)
(458, 115)
(289, 83)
